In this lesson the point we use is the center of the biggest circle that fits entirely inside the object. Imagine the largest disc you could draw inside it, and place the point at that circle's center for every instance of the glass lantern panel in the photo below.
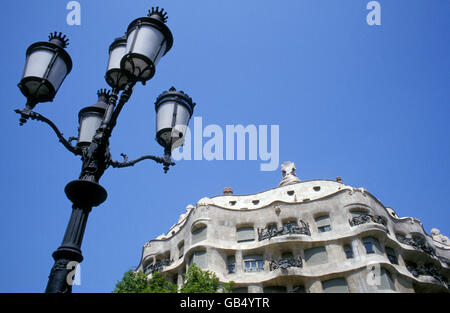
(57, 73)
(181, 123)
(88, 126)
(115, 57)
(164, 115)
(148, 41)
(164, 120)
(37, 63)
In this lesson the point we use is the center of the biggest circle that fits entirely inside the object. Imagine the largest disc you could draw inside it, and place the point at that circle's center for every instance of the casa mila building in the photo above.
(303, 236)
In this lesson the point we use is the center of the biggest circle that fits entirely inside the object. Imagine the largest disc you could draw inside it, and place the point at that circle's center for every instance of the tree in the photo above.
(159, 284)
(198, 281)
(137, 282)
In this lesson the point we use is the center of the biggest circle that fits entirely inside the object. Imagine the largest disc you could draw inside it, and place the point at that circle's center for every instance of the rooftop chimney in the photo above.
(228, 191)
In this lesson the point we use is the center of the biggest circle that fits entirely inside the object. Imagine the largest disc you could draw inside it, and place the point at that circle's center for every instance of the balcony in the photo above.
(367, 218)
(416, 243)
(287, 229)
(157, 266)
(427, 270)
(286, 263)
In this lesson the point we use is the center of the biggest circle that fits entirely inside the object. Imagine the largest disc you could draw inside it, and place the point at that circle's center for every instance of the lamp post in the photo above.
(132, 58)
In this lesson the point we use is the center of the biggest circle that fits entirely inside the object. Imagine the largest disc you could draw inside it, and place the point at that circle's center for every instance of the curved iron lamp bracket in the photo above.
(165, 161)
(25, 114)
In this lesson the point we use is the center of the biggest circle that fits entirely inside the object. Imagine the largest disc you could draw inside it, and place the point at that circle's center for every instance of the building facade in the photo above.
(311, 236)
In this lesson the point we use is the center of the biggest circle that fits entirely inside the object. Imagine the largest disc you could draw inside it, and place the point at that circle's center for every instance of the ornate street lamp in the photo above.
(132, 58)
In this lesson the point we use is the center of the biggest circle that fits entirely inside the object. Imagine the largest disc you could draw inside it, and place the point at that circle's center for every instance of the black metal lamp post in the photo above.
(132, 59)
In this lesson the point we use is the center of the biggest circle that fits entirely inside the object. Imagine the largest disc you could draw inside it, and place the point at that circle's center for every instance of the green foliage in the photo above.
(159, 284)
(137, 282)
(132, 283)
(196, 281)
(228, 287)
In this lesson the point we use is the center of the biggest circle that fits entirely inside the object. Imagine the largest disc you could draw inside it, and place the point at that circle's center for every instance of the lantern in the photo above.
(115, 77)
(91, 117)
(148, 39)
(173, 112)
(47, 65)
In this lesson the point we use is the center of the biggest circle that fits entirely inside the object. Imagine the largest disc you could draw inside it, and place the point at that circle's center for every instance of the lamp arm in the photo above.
(161, 160)
(36, 116)
(124, 97)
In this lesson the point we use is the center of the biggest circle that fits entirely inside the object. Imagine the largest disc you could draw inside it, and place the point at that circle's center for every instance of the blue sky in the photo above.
(367, 103)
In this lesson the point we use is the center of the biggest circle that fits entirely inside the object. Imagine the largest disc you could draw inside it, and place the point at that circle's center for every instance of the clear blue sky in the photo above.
(367, 103)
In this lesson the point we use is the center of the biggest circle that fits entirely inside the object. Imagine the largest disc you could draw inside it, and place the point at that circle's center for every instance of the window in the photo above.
(275, 289)
(316, 256)
(337, 285)
(386, 281)
(180, 250)
(289, 223)
(199, 258)
(240, 290)
(323, 224)
(372, 245)
(231, 264)
(199, 234)
(253, 263)
(392, 256)
(289, 227)
(418, 239)
(358, 213)
(148, 267)
(298, 289)
(245, 234)
(348, 251)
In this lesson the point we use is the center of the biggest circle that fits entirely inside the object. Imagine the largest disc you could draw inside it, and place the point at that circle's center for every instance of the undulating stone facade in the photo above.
(310, 236)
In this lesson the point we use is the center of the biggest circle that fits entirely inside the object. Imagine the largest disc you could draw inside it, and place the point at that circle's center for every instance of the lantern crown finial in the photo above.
(173, 92)
(103, 93)
(59, 39)
(103, 98)
(158, 14)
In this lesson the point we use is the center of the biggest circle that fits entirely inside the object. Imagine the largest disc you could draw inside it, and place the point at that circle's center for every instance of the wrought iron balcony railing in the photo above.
(367, 218)
(427, 270)
(444, 260)
(287, 229)
(416, 243)
(157, 266)
(286, 263)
